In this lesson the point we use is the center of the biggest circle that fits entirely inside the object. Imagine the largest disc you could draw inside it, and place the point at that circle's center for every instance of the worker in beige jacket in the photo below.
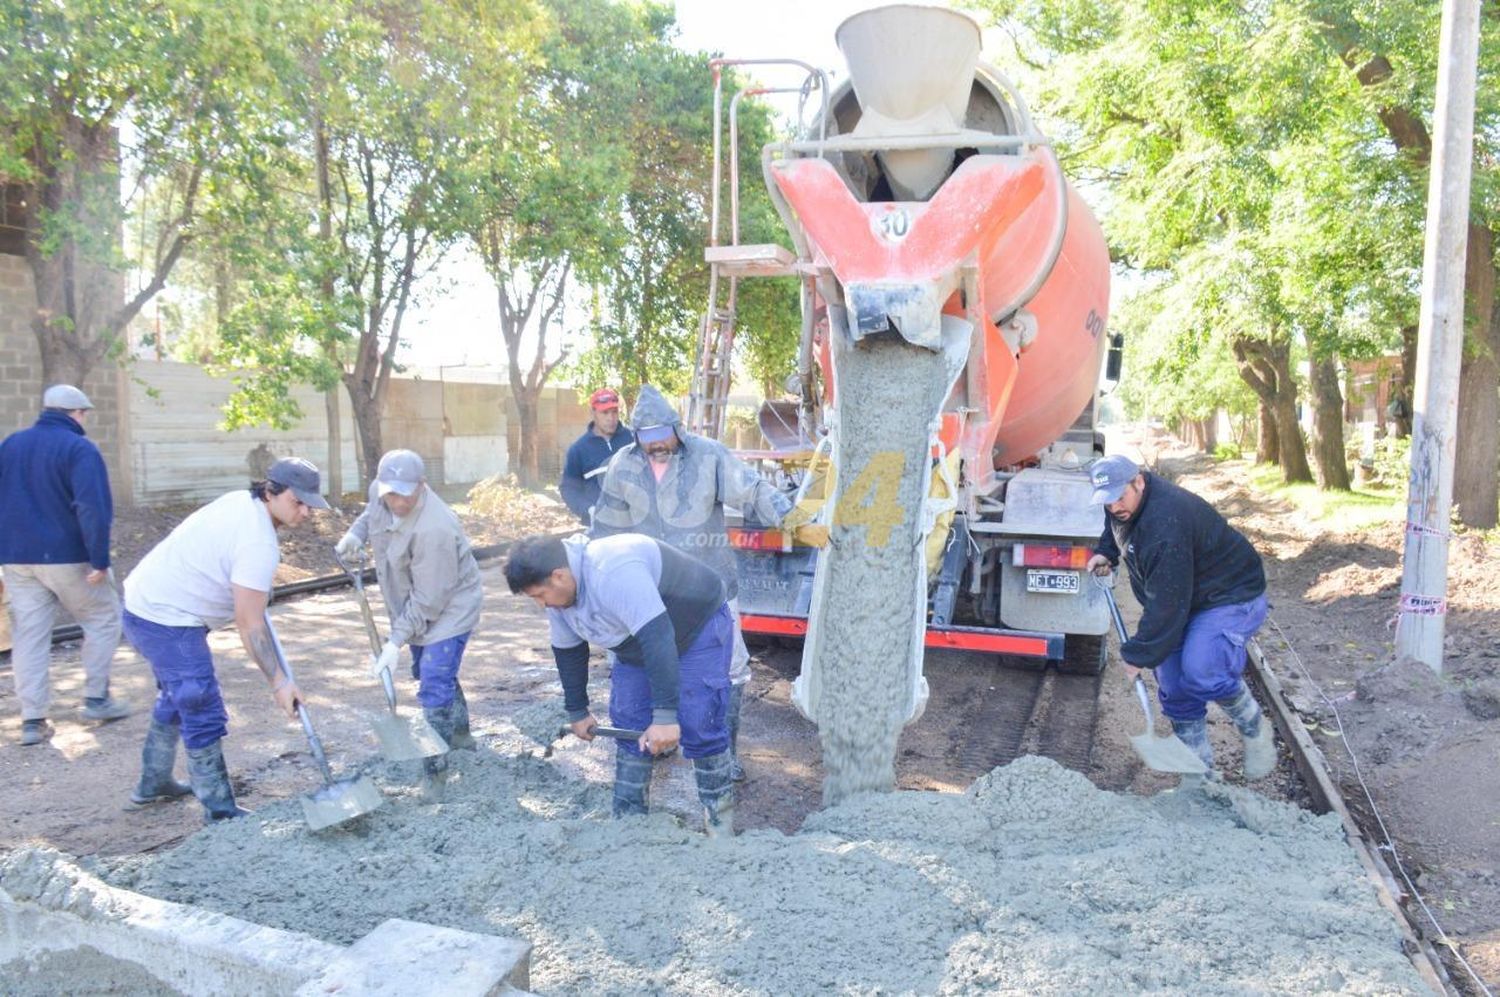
(431, 586)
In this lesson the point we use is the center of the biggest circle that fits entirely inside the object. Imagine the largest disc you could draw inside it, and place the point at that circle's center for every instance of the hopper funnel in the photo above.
(912, 70)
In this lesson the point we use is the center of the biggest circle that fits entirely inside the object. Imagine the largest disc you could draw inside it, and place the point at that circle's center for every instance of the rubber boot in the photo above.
(632, 783)
(1194, 734)
(158, 757)
(462, 739)
(1260, 739)
(736, 698)
(716, 793)
(435, 770)
(210, 778)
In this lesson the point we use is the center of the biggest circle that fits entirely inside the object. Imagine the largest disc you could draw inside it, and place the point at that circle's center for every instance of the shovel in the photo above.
(401, 739)
(336, 802)
(1163, 754)
(618, 733)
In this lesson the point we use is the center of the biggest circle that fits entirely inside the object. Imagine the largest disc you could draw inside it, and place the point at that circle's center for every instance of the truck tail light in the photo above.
(1050, 556)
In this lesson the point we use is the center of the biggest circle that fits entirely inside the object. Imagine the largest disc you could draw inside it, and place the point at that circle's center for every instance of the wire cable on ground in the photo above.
(1389, 845)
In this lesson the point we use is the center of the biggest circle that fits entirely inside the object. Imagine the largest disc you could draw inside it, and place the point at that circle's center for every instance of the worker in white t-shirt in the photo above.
(214, 569)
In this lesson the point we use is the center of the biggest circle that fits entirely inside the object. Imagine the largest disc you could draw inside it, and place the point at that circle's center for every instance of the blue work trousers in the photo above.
(187, 690)
(702, 692)
(435, 667)
(1210, 661)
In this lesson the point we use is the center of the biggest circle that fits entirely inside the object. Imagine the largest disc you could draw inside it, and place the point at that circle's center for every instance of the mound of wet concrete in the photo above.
(1034, 881)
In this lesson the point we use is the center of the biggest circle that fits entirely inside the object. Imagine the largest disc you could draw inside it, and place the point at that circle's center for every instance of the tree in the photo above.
(1271, 121)
(394, 107)
(185, 75)
(650, 306)
(1392, 52)
(548, 208)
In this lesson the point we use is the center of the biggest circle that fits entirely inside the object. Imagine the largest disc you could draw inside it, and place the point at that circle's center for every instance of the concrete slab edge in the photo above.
(49, 904)
(1313, 768)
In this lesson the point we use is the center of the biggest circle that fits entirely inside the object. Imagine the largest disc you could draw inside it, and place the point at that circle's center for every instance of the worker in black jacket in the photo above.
(1202, 591)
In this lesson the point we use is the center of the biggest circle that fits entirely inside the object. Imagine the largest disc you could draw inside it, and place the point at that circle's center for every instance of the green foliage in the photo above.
(1246, 156)
(1392, 459)
(1335, 511)
(174, 89)
(1227, 451)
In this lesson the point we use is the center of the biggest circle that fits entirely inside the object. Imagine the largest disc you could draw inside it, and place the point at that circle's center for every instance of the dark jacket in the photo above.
(54, 496)
(1182, 558)
(686, 508)
(583, 470)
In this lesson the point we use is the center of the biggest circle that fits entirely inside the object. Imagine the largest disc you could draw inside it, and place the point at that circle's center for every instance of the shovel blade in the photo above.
(1167, 754)
(405, 739)
(340, 801)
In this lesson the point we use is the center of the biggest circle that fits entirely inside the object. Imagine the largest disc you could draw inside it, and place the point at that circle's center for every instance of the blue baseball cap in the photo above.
(1109, 476)
(653, 434)
(302, 477)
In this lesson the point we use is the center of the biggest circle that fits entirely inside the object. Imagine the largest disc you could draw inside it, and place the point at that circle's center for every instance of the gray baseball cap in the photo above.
(66, 397)
(400, 471)
(301, 476)
(1109, 476)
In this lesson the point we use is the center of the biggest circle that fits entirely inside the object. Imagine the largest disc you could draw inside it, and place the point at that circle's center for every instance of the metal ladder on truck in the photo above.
(713, 357)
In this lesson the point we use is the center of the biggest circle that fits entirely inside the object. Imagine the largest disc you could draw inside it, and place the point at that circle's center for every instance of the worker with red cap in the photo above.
(583, 470)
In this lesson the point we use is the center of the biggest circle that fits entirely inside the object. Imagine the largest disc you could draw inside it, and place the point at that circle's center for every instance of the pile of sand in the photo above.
(1034, 881)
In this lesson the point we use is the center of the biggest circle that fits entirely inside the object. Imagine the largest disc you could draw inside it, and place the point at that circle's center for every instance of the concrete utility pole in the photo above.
(1440, 337)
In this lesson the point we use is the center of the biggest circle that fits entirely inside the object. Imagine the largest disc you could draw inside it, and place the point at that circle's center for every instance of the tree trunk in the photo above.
(1402, 420)
(1476, 474)
(1267, 448)
(528, 461)
(366, 428)
(1328, 426)
(1267, 368)
(326, 291)
(335, 469)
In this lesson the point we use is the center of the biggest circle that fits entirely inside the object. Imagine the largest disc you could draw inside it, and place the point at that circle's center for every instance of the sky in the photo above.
(457, 321)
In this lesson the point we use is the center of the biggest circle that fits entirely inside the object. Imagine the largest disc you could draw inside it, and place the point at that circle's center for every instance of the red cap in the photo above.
(604, 398)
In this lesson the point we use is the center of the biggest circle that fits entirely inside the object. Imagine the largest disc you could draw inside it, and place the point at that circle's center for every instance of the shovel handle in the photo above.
(307, 726)
(1145, 698)
(356, 578)
(1114, 607)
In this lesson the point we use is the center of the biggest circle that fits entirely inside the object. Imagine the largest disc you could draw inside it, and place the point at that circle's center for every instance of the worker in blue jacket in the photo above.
(55, 515)
(1202, 590)
(583, 470)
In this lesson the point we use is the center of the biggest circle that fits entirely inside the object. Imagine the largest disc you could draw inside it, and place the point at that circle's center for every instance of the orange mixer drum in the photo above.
(1058, 372)
(1042, 260)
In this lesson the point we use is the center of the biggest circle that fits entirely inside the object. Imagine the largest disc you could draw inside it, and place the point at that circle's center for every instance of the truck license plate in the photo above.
(1038, 580)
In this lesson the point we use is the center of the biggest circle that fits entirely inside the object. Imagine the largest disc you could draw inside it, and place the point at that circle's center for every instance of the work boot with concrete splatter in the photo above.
(1194, 734)
(435, 771)
(210, 777)
(716, 793)
(1260, 740)
(632, 786)
(158, 757)
(732, 720)
(463, 738)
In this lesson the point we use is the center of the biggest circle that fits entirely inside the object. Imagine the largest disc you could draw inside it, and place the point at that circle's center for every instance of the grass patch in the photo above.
(1341, 512)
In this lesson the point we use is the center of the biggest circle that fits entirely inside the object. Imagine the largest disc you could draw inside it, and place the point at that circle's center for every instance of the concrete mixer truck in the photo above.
(955, 295)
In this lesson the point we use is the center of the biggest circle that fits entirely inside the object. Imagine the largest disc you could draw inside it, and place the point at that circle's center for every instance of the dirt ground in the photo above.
(1427, 747)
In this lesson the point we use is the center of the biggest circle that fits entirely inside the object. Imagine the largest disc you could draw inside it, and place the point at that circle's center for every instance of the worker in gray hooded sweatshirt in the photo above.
(432, 592)
(673, 485)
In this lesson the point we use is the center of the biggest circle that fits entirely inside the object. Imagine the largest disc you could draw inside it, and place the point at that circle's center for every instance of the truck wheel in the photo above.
(1084, 655)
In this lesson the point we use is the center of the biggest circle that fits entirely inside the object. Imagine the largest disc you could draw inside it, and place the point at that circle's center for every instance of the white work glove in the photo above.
(348, 545)
(385, 661)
